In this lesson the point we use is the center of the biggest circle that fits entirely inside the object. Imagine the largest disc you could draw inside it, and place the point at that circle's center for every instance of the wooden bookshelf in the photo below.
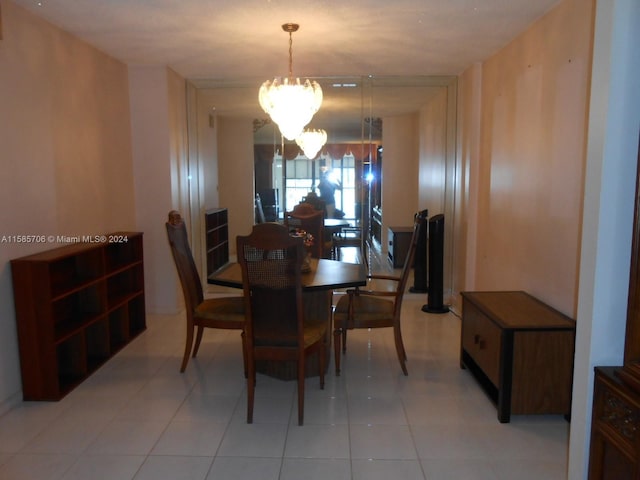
(76, 306)
(217, 238)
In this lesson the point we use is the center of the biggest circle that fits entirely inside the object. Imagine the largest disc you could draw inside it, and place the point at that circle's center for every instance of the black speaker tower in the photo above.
(436, 266)
(420, 257)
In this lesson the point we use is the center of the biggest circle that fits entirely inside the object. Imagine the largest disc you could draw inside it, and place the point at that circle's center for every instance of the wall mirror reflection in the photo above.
(383, 135)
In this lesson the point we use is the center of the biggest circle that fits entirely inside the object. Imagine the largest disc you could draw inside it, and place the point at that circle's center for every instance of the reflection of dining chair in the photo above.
(348, 237)
(224, 312)
(317, 203)
(275, 329)
(311, 222)
(259, 210)
(304, 208)
(369, 309)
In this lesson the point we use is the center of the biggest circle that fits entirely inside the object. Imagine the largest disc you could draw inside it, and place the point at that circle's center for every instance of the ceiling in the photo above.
(243, 38)
(240, 43)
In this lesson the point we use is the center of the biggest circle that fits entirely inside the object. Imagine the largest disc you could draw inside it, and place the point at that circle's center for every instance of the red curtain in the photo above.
(360, 151)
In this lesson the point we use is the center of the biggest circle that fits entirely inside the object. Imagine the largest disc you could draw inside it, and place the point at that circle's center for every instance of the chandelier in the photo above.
(290, 103)
(311, 141)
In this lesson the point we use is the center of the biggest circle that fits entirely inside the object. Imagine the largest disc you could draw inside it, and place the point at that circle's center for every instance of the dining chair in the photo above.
(366, 308)
(222, 312)
(260, 218)
(275, 328)
(313, 199)
(311, 222)
(348, 237)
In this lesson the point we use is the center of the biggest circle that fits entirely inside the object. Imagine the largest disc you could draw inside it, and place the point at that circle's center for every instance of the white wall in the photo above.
(159, 143)
(614, 123)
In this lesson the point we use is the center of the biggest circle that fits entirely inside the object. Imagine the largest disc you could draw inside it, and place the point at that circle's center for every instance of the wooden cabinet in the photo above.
(615, 436)
(376, 224)
(399, 239)
(520, 350)
(75, 307)
(217, 238)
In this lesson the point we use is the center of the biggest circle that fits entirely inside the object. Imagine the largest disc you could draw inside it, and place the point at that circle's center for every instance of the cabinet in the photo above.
(76, 306)
(615, 446)
(520, 351)
(399, 239)
(217, 238)
(376, 224)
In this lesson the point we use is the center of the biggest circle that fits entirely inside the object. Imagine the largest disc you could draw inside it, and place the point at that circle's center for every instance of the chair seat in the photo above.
(374, 312)
(223, 309)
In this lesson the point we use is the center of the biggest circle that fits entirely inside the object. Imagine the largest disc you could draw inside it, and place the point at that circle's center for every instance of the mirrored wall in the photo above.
(390, 144)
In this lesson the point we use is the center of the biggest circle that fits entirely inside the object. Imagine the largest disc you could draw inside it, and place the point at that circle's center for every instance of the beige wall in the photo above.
(235, 166)
(432, 157)
(66, 152)
(466, 194)
(531, 158)
(399, 172)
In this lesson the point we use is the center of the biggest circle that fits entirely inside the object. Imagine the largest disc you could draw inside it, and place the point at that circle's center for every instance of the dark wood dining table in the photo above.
(325, 275)
(334, 225)
(318, 285)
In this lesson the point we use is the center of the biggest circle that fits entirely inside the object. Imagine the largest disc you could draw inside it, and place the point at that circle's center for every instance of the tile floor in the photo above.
(139, 418)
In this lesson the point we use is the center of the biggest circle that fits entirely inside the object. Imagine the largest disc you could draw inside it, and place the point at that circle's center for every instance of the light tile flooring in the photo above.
(139, 418)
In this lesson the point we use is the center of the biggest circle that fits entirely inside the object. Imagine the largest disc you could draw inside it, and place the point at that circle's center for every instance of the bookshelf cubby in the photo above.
(76, 306)
(217, 238)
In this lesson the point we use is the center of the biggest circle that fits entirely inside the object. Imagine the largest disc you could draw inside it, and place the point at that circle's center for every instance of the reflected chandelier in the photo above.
(289, 103)
(311, 141)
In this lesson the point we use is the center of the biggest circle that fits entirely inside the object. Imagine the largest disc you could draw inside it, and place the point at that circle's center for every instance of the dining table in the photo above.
(318, 284)
(334, 225)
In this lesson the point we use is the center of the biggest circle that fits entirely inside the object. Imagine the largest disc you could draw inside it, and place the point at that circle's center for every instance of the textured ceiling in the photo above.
(399, 45)
(242, 38)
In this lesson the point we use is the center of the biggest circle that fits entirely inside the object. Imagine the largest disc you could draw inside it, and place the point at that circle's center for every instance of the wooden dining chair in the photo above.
(362, 308)
(311, 222)
(275, 328)
(349, 237)
(223, 312)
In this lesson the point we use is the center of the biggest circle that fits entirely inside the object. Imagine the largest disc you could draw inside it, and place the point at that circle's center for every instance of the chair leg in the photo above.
(322, 361)
(402, 354)
(198, 340)
(344, 340)
(300, 391)
(187, 347)
(251, 387)
(244, 355)
(337, 334)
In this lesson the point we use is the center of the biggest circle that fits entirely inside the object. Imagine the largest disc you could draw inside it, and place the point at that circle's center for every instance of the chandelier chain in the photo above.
(290, 56)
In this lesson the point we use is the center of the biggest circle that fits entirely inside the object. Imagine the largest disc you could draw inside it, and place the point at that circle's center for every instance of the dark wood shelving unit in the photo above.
(376, 224)
(399, 240)
(76, 306)
(217, 238)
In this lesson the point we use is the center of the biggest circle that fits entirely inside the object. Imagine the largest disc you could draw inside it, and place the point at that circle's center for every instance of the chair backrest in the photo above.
(313, 199)
(304, 208)
(312, 223)
(418, 223)
(183, 258)
(259, 210)
(271, 263)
